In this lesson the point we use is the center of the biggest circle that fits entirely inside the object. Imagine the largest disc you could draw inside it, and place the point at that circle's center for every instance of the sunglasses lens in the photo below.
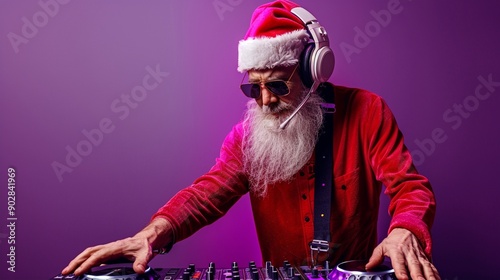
(278, 87)
(251, 90)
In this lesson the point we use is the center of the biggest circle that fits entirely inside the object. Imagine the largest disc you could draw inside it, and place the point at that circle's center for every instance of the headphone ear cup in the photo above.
(322, 64)
(305, 65)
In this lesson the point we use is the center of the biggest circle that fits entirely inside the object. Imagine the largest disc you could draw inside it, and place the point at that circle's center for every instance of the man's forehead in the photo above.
(277, 72)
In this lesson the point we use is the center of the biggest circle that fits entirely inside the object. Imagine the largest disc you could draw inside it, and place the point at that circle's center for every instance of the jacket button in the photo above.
(343, 187)
(304, 196)
(307, 219)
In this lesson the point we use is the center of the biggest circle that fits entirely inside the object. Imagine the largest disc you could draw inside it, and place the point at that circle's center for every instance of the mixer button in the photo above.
(227, 274)
(70, 276)
(173, 271)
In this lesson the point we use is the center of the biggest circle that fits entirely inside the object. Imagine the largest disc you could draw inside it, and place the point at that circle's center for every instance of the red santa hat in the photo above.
(276, 37)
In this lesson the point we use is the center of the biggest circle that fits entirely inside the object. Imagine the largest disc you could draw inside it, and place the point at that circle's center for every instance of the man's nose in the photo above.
(267, 96)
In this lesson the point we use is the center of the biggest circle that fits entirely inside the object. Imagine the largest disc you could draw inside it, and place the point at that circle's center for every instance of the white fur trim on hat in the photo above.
(266, 52)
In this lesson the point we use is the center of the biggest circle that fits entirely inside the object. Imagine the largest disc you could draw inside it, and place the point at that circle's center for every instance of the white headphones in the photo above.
(317, 60)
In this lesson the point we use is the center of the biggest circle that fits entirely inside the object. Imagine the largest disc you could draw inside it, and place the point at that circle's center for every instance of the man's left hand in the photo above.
(407, 257)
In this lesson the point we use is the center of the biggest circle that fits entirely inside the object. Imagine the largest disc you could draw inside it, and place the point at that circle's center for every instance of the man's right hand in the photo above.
(137, 249)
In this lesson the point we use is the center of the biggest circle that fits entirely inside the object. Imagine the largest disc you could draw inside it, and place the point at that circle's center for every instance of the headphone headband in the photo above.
(318, 59)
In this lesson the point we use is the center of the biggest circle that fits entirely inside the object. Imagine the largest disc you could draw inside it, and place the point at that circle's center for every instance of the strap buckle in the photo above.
(318, 246)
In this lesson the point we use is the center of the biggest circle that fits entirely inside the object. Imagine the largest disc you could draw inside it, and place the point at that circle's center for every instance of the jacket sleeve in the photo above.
(412, 202)
(211, 195)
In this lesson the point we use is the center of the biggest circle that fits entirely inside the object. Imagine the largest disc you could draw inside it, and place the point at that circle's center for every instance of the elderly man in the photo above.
(271, 153)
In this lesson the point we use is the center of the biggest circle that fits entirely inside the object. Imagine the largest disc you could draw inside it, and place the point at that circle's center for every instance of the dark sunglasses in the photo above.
(277, 87)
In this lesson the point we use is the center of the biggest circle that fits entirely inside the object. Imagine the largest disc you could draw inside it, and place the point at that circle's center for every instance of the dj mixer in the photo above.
(350, 270)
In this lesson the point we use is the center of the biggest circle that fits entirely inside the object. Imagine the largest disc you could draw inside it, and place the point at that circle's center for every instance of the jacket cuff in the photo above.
(165, 249)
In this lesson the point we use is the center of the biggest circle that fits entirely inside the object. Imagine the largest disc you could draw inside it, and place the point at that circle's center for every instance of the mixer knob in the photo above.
(286, 264)
(210, 274)
(234, 267)
(274, 274)
(191, 268)
(255, 273)
(186, 275)
(290, 272)
(315, 272)
(252, 264)
(269, 269)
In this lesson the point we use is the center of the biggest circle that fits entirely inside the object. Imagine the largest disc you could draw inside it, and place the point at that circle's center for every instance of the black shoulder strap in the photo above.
(323, 169)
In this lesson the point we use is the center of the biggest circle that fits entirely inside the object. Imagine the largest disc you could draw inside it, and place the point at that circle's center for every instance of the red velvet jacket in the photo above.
(368, 152)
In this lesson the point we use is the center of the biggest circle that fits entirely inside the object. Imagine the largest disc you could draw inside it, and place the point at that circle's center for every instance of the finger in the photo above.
(142, 259)
(96, 258)
(376, 258)
(140, 264)
(79, 260)
(430, 271)
(399, 265)
(415, 267)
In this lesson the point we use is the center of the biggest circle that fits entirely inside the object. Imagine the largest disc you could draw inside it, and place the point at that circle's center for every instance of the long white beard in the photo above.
(271, 154)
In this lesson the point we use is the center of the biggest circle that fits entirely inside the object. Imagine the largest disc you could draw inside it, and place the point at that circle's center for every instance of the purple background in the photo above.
(87, 54)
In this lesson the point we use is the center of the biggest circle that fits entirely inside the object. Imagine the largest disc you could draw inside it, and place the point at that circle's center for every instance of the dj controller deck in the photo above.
(351, 270)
